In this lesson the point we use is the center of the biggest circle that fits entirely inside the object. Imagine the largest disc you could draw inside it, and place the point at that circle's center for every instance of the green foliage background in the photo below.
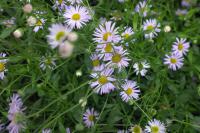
(52, 97)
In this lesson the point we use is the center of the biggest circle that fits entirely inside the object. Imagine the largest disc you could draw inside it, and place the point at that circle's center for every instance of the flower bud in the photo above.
(72, 37)
(78, 73)
(18, 33)
(66, 49)
(27, 8)
(83, 102)
(31, 21)
(167, 28)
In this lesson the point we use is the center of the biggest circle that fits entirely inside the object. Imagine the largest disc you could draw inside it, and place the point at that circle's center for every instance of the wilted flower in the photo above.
(47, 63)
(89, 117)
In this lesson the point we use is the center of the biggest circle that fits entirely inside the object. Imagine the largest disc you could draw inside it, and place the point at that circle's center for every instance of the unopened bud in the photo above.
(66, 49)
(72, 37)
(31, 21)
(167, 28)
(18, 33)
(27, 8)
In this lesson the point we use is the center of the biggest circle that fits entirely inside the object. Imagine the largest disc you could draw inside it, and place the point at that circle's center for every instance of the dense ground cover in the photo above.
(99, 66)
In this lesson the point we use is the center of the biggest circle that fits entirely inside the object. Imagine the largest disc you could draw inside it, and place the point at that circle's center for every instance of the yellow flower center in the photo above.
(91, 117)
(76, 17)
(173, 60)
(2, 67)
(180, 46)
(136, 129)
(116, 58)
(95, 63)
(150, 27)
(39, 23)
(129, 91)
(154, 129)
(106, 35)
(103, 80)
(60, 35)
(108, 48)
(126, 36)
(60, 1)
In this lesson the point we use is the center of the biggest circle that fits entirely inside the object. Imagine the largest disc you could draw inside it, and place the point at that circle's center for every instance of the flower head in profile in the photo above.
(77, 16)
(47, 63)
(16, 115)
(141, 68)
(136, 129)
(39, 24)
(106, 33)
(155, 126)
(181, 46)
(174, 61)
(119, 58)
(127, 33)
(58, 33)
(46, 131)
(130, 91)
(142, 8)
(151, 27)
(89, 117)
(2, 65)
(103, 83)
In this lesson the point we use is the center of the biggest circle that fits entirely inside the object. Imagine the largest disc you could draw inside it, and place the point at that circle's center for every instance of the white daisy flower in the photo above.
(47, 63)
(155, 126)
(127, 33)
(103, 81)
(106, 33)
(130, 91)
(96, 63)
(181, 46)
(46, 131)
(118, 58)
(89, 117)
(141, 68)
(136, 129)
(60, 5)
(105, 50)
(2, 65)
(174, 61)
(39, 25)
(75, 1)
(142, 8)
(77, 16)
(151, 28)
(58, 33)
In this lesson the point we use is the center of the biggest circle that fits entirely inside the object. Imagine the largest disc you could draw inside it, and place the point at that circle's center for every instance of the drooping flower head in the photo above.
(58, 33)
(130, 91)
(77, 16)
(141, 68)
(16, 115)
(151, 27)
(47, 63)
(106, 33)
(181, 46)
(103, 83)
(155, 126)
(142, 8)
(89, 117)
(2, 65)
(174, 61)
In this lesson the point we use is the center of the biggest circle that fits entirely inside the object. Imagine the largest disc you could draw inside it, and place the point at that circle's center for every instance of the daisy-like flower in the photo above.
(60, 5)
(9, 22)
(181, 12)
(174, 61)
(1, 127)
(103, 81)
(2, 65)
(75, 1)
(58, 33)
(136, 129)
(39, 25)
(130, 91)
(155, 126)
(127, 33)
(181, 46)
(16, 115)
(89, 117)
(105, 50)
(96, 63)
(141, 68)
(142, 8)
(46, 131)
(77, 16)
(118, 58)
(151, 28)
(186, 3)
(47, 63)
(106, 33)
(122, 131)
(68, 130)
